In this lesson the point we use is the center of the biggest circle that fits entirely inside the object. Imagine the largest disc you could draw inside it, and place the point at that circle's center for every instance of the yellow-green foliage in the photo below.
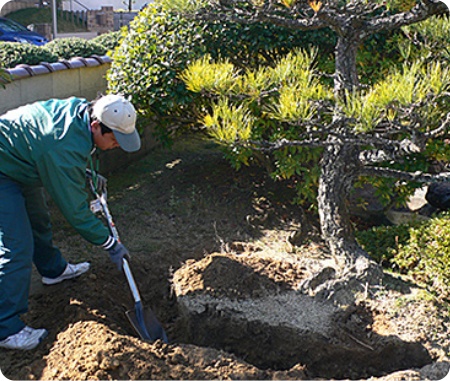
(414, 84)
(292, 105)
(228, 123)
(298, 86)
(218, 77)
(182, 5)
(293, 78)
(294, 67)
(401, 5)
(252, 83)
(288, 3)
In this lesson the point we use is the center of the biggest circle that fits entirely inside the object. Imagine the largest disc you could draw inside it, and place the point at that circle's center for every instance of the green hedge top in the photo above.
(14, 53)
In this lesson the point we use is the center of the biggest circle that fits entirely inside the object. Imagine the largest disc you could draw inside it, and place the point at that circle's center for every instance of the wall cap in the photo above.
(22, 71)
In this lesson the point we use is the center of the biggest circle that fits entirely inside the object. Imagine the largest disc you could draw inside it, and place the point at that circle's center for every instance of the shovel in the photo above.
(143, 320)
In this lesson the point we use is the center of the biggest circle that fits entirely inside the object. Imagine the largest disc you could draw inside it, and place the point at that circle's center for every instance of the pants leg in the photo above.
(16, 253)
(47, 258)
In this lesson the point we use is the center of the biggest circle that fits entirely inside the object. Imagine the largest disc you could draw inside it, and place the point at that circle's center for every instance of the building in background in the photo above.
(90, 17)
(7, 6)
(82, 5)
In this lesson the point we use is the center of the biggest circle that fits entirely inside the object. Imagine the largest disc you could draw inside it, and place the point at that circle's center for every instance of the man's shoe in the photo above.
(26, 339)
(71, 271)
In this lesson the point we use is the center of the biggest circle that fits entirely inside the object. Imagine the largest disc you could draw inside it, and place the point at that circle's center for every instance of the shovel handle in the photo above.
(112, 227)
(131, 282)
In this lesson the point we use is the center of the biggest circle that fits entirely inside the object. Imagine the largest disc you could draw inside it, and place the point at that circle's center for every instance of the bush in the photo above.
(4, 77)
(426, 255)
(109, 41)
(155, 49)
(160, 44)
(382, 242)
(251, 46)
(378, 56)
(13, 54)
(421, 249)
(66, 48)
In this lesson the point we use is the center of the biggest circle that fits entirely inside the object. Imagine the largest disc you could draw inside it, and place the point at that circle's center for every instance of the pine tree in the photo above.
(350, 130)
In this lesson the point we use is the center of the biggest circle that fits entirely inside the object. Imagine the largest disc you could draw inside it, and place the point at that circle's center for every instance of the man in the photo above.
(46, 145)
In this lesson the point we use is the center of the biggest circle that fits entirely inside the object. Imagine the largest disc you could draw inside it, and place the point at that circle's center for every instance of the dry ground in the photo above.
(180, 207)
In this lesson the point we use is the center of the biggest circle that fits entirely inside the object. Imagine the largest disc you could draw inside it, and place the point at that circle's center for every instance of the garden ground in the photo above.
(186, 214)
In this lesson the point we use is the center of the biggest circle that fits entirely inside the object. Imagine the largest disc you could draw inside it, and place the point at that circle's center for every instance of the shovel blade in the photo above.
(147, 325)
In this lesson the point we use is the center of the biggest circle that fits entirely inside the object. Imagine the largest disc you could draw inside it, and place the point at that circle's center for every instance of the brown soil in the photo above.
(187, 208)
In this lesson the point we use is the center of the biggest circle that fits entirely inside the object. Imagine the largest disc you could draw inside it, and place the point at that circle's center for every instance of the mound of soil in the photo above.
(198, 229)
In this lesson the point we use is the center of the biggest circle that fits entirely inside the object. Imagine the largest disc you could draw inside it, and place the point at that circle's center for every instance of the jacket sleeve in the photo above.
(63, 176)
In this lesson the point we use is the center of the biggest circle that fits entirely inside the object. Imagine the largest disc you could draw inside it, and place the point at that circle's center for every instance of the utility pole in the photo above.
(54, 18)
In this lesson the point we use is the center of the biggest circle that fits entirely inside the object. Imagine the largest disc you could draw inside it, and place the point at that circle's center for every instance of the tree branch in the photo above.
(248, 19)
(420, 12)
(266, 146)
(440, 130)
(405, 176)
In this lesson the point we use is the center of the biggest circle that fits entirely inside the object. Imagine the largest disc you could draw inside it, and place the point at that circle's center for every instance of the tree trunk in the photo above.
(339, 169)
(340, 161)
(340, 166)
(346, 75)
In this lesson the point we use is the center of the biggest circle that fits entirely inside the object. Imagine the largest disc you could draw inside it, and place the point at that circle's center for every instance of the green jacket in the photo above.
(48, 144)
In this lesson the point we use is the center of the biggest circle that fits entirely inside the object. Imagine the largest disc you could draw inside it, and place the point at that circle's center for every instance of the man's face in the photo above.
(104, 142)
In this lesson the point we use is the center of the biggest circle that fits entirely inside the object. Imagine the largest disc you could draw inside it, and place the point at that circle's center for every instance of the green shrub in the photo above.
(13, 54)
(160, 44)
(155, 49)
(109, 41)
(4, 77)
(382, 242)
(378, 55)
(426, 255)
(66, 48)
(250, 46)
(420, 249)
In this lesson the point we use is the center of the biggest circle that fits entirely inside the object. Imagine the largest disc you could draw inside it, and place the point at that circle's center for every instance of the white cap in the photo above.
(117, 113)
